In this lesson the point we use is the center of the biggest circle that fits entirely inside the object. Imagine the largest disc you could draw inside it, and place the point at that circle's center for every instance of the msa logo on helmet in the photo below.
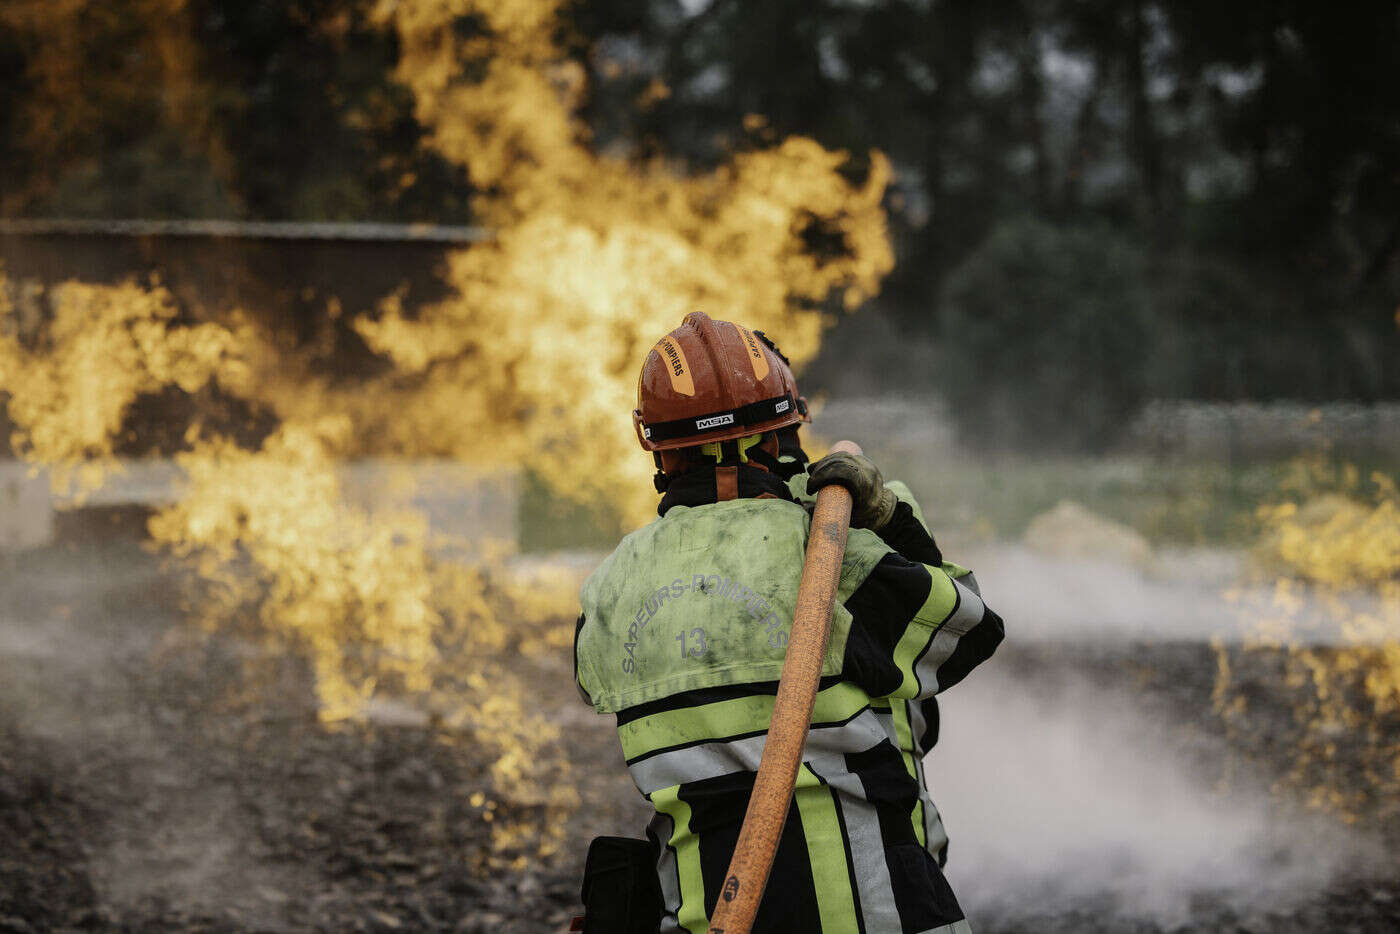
(782, 406)
(714, 421)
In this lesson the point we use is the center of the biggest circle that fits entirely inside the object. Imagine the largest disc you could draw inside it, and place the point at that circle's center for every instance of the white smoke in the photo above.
(1063, 797)
(1194, 595)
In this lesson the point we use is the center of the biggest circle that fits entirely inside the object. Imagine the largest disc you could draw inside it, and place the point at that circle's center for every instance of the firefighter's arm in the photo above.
(904, 538)
(952, 633)
(921, 622)
(917, 630)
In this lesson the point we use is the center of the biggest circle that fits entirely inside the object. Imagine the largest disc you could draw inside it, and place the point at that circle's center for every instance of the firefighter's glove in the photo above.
(872, 504)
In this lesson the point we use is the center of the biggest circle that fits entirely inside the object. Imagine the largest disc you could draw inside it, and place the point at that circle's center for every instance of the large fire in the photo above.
(537, 353)
(530, 363)
(71, 371)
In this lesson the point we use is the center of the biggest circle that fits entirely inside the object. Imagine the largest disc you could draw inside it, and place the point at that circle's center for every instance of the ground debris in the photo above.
(151, 781)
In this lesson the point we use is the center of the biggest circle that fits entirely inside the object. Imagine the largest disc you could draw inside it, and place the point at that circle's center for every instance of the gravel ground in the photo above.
(155, 778)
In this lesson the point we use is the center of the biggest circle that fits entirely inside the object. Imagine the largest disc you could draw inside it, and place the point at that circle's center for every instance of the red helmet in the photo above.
(711, 381)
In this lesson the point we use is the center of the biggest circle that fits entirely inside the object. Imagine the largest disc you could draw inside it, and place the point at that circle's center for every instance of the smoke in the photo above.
(1059, 796)
(75, 638)
(1198, 595)
(1064, 795)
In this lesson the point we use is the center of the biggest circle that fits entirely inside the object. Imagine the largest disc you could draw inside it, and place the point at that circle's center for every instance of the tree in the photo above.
(1045, 335)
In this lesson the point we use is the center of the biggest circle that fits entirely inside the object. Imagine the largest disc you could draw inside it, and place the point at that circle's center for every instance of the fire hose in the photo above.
(792, 712)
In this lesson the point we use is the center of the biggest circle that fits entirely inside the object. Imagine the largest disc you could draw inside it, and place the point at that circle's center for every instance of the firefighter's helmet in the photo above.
(711, 381)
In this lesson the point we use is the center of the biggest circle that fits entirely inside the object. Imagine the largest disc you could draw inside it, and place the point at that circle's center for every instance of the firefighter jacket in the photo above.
(682, 638)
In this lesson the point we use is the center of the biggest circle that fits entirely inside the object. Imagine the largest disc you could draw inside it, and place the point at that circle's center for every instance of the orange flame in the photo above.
(1335, 544)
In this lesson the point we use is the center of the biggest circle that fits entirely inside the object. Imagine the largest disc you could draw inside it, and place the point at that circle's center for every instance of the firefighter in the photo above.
(682, 639)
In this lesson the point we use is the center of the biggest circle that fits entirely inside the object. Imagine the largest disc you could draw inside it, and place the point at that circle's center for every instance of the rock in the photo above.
(480, 921)
(387, 920)
(1072, 531)
(395, 713)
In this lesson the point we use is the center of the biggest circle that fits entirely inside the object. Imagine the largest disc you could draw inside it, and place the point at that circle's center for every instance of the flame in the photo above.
(71, 381)
(594, 256)
(1333, 541)
(369, 600)
(343, 583)
(530, 362)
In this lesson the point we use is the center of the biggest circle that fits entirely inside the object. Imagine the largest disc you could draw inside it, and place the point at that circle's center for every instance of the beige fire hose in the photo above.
(792, 712)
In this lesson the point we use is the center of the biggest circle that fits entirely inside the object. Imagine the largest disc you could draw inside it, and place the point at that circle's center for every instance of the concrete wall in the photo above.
(26, 508)
(469, 506)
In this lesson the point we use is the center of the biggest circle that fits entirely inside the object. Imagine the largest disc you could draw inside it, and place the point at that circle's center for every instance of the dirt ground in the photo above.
(148, 781)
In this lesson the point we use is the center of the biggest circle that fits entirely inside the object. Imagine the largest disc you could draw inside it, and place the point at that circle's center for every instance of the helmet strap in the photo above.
(761, 458)
(730, 456)
(661, 481)
(726, 483)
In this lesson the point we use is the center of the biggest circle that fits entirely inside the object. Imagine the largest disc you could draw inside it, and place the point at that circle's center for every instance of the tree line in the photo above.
(1096, 203)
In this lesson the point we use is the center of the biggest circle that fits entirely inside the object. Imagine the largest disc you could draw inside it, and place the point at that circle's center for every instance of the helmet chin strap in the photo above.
(731, 454)
(764, 461)
(660, 480)
(726, 484)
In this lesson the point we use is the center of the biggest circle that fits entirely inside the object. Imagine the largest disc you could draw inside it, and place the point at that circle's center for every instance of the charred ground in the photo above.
(154, 777)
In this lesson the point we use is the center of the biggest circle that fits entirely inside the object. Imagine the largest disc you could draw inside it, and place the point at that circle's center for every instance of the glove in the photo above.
(872, 504)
